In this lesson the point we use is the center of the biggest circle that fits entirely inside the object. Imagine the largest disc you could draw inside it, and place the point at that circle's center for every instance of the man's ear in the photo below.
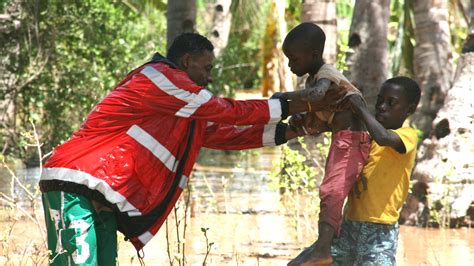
(186, 60)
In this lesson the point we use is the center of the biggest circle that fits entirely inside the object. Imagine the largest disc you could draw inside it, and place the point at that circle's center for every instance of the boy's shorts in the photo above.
(364, 243)
(77, 234)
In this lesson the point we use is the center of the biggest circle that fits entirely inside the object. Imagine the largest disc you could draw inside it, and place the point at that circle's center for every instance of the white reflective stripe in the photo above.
(268, 137)
(133, 213)
(183, 182)
(201, 98)
(160, 151)
(79, 177)
(162, 82)
(145, 237)
(274, 108)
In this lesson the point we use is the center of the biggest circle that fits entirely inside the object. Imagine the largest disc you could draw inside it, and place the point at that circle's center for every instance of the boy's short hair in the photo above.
(192, 43)
(409, 86)
(309, 33)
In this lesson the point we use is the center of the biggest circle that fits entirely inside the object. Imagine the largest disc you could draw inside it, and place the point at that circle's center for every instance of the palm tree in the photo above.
(447, 154)
(323, 13)
(181, 18)
(367, 58)
(276, 74)
(221, 21)
(432, 58)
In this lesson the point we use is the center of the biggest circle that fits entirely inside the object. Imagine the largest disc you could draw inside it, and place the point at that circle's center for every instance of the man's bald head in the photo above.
(306, 35)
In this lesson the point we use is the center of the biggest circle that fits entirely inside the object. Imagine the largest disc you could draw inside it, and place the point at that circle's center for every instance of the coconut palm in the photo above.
(367, 57)
(432, 58)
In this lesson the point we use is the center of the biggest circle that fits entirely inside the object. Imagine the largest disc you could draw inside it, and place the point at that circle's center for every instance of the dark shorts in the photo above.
(364, 243)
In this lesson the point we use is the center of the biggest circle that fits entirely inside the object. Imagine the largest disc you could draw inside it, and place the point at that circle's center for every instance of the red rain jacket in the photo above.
(128, 151)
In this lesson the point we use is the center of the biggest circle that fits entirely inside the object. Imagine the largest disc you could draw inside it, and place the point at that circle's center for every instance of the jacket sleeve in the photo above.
(229, 137)
(170, 91)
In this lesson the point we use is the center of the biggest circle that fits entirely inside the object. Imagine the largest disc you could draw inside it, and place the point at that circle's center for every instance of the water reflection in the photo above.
(232, 198)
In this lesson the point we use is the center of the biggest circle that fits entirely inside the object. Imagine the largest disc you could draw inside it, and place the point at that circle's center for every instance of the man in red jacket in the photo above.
(126, 166)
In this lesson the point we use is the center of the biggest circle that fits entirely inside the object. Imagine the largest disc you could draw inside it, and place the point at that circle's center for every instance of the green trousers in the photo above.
(77, 234)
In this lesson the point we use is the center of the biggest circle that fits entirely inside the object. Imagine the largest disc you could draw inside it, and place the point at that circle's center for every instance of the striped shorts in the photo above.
(366, 244)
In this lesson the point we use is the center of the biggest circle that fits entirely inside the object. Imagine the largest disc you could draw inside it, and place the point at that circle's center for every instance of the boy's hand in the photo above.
(363, 180)
(356, 102)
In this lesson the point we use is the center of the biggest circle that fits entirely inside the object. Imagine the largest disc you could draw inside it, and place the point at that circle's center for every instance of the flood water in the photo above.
(231, 197)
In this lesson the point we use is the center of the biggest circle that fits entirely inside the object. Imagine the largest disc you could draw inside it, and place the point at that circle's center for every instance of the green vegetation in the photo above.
(69, 55)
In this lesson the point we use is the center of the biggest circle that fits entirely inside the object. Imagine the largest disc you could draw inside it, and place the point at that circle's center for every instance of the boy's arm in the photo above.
(314, 93)
(380, 134)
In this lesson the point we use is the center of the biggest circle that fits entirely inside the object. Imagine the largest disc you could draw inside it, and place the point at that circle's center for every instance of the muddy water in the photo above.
(230, 196)
(247, 227)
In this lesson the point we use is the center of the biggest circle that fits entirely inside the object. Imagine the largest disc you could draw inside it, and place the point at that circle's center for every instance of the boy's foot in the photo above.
(316, 257)
(299, 259)
(317, 262)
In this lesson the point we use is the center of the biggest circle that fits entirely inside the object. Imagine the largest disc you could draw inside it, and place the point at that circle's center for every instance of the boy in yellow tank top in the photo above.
(369, 233)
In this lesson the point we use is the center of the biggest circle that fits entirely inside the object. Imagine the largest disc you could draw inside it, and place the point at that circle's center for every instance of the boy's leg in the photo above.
(377, 244)
(347, 156)
(70, 225)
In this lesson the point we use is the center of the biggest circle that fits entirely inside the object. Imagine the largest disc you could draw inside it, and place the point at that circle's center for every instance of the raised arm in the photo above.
(313, 93)
(381, 135)
(171, 92)
(229, 137)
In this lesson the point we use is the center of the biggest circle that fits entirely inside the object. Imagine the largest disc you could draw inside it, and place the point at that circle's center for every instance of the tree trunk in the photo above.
(276, 73)
(10, 24)
(220, 28)
(432, 61)
(367, 58)
(180, 18)
(323, 13)
(469, 44)
(445, 160)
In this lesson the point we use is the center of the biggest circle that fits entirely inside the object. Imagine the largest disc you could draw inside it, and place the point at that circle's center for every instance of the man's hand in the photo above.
(334, 94)
(278, 95)
(314, 125)
(297, 123)
(308, 124)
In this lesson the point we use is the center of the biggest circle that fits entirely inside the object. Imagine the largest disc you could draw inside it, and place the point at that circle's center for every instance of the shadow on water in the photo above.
(231, 196)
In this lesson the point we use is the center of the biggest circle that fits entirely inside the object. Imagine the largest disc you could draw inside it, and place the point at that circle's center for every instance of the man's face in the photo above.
(392, 106)
(300, 58)
(199, 66)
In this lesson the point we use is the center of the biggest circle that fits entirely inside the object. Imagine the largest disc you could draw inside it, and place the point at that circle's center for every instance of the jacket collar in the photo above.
(158, 58)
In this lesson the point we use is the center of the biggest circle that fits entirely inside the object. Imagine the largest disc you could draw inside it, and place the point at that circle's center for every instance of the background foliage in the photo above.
(60, 58)
(76, 51)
